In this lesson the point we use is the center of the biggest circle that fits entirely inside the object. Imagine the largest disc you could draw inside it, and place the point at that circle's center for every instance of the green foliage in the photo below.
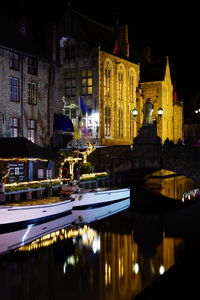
(85, 168)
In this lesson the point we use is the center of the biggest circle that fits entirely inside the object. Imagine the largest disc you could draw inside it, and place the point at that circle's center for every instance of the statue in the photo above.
(147, 111)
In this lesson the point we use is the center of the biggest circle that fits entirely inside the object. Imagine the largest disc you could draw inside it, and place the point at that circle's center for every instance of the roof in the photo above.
(78, 26)
(153, 71)
(22, 148)
(11, 38)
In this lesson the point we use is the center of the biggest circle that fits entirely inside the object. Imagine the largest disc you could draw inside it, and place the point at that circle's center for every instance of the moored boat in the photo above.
(11, 240)
(33, 212)
(93, 214)
(86, 198)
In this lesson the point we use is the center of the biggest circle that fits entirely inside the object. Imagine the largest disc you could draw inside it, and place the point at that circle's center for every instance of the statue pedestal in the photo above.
(147, 147)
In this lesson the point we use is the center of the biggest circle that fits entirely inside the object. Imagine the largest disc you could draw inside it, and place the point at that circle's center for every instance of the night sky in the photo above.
(169, 30)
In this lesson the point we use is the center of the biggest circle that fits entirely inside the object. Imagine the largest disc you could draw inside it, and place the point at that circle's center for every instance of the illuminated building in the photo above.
(104, 82)
(92, 80)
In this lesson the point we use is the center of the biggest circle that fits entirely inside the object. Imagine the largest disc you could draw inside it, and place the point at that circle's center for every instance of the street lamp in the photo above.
(159, 112)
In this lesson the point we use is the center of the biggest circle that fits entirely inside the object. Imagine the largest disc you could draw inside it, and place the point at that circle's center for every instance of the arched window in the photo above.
(131, 81)
(107, 79)
(120, 83)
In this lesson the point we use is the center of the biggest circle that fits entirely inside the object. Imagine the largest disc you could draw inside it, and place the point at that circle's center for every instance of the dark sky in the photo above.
(168, 28)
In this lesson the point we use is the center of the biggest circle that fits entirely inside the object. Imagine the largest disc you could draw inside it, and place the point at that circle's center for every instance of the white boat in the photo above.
(86, 198)
(33, 212)
(85, 216)
(15, 239)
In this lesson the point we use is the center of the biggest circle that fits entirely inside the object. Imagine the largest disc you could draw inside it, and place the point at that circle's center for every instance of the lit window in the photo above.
(107, 121)
(120, 85)
(120, 123)
(32, 93)
(131, 86)
(14, 127)
(131, 124)
(86, 82)
(14, 89)
(48, 174)
(32, 130)
(107, 81)
(40, 173)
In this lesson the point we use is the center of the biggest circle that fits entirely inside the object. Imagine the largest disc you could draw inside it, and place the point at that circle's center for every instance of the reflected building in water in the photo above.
(85, 264)
(170, 184)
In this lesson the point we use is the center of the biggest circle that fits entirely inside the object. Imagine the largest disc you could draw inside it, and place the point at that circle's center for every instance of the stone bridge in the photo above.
(124, 166)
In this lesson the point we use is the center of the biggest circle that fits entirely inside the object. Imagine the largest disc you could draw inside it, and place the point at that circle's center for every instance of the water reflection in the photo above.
(83, 263)
(172, 185)
(115, 258)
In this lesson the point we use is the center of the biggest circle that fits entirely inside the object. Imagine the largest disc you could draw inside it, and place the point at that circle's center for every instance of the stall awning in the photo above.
(21, 148)
(63, 123)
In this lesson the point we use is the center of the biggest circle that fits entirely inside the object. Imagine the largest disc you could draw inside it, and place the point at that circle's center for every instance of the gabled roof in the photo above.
(82, 28)
(12, 39)
(22, 148)
(153, 71)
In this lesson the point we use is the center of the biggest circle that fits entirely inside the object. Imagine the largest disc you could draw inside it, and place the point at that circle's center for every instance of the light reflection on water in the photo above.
(114, 259)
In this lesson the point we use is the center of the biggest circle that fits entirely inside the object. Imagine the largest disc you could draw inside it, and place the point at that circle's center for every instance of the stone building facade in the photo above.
(91, 78)
(115, 83)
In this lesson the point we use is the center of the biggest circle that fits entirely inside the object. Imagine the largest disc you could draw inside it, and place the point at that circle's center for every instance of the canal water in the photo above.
(114, 258)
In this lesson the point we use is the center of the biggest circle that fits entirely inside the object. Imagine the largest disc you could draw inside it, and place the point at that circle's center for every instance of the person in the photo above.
(147, 111)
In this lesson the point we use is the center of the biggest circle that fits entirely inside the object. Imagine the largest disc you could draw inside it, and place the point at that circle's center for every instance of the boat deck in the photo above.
(41, 201)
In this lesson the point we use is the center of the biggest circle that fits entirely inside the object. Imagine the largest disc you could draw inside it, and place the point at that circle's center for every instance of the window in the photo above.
(32, 93)
(49, 174)
(14, 127)
(131, 124)
(32, 66)
(107, 121)
(131, 85)
(107, 88)
(120, 84)
(70, 83)
(40, 173)
(14, 89)
(14, 61)
(120, 123)
(32, 130)
(86, 82)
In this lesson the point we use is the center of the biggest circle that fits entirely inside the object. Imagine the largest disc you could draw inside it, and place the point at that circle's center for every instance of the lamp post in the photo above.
(159, 112)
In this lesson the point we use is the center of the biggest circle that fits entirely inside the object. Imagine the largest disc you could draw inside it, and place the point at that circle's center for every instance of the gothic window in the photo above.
(32, 93)
(107, 80)
(120, 84)
(86, 82)
(107, 121)
(14, 60)
(70, 83)
(131, 86)
(14, 89)
(120, 123)
(14, 127)
(32, 130)
(131, 125)
(32, 66)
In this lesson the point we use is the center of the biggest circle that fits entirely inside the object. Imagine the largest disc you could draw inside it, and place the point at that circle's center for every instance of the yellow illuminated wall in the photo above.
(119, 80)
(117, 92)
